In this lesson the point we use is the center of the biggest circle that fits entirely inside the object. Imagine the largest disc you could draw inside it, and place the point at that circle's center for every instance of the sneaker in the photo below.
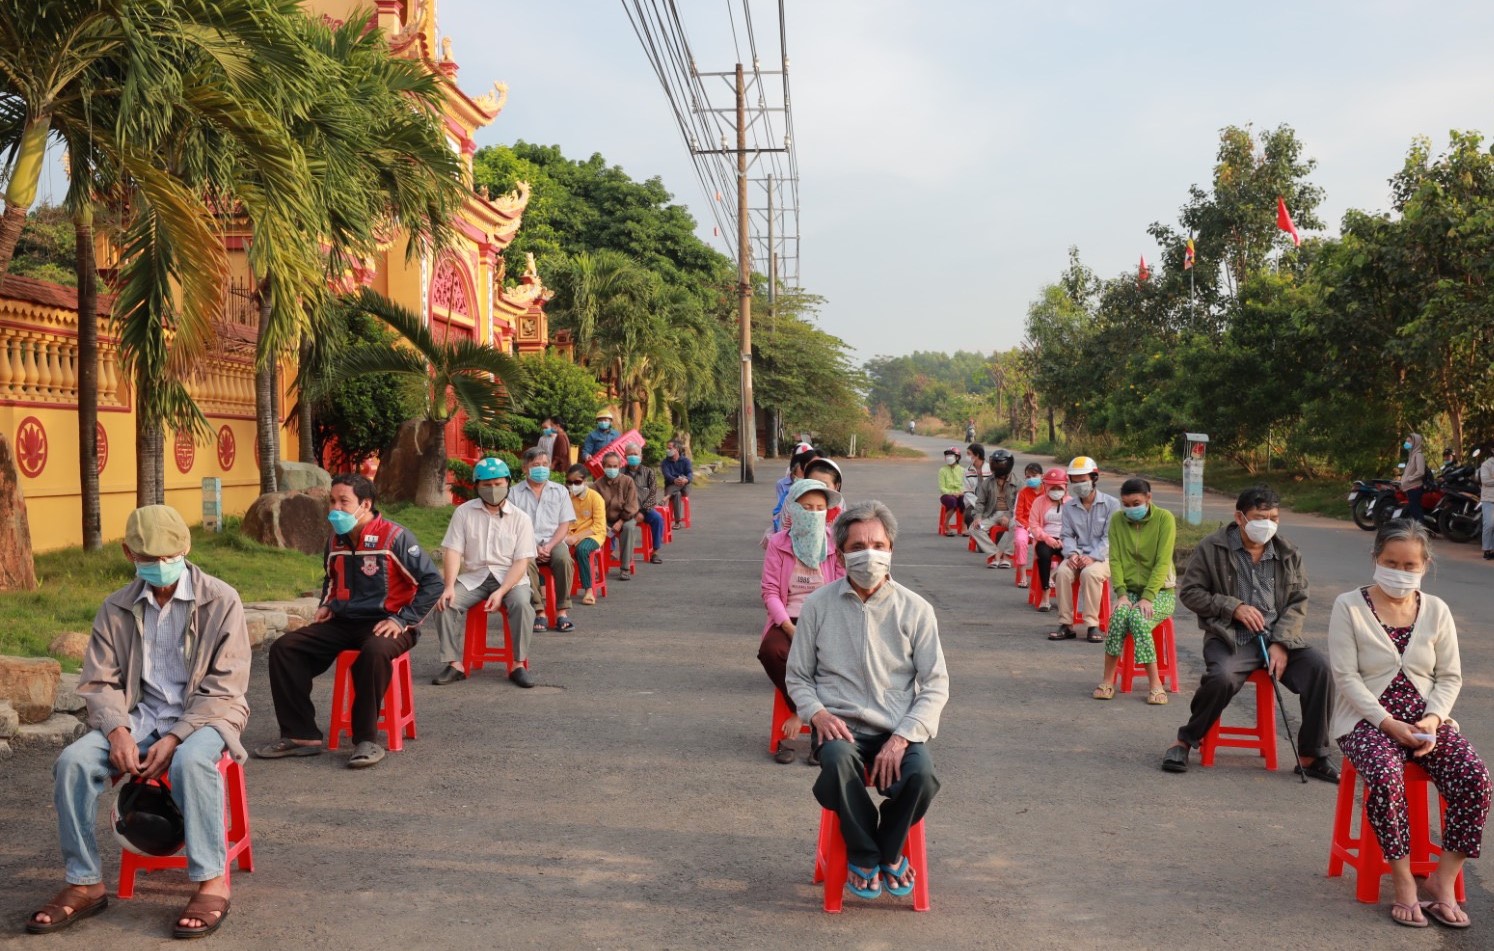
(1175, 760)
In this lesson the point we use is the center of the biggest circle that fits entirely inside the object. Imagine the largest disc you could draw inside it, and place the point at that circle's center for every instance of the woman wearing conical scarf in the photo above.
(800, 561)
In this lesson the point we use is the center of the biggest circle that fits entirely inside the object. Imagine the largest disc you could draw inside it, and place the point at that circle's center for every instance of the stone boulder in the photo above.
(68, 698)
(69, 644)
(300, 476)
(10, 721)
(30, 684)
(52, 733)
(256, 625)
(17, 573)
(295, 520)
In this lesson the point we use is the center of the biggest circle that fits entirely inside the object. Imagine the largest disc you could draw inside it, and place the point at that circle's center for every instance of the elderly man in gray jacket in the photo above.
(867, 671)
(164, 678)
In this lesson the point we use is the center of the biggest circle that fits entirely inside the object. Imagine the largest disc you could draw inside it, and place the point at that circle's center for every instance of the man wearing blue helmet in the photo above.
(486, 554)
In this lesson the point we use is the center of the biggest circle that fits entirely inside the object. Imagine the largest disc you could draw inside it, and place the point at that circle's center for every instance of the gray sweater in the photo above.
(875, 664)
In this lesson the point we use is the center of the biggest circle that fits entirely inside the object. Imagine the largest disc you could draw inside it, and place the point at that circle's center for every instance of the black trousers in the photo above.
(872, 838)
(773, 653)
(298, 657)
(1045, 556)
(1307, 675)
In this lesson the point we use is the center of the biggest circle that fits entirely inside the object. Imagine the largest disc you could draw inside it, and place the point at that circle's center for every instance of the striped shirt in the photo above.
(163, 674)
(1255, 584)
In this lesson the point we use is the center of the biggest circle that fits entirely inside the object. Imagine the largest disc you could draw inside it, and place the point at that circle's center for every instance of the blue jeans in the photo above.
(655, 523)
(1487, 510)
(82, 773)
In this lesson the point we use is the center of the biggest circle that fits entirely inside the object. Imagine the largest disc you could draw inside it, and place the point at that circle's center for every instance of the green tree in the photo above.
(554, 386)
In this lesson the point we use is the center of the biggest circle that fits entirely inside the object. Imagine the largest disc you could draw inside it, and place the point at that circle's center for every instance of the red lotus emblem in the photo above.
(185, 450)
(101, 445)
(31, 447)
(228, 449)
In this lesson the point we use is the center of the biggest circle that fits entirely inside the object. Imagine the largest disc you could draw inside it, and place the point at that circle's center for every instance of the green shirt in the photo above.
(1141, 553)
(951, 480)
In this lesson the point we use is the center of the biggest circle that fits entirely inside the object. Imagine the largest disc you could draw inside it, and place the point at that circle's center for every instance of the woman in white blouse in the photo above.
(1394, 652)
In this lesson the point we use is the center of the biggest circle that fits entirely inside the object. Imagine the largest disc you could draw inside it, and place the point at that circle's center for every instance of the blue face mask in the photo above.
(161, 574)
(539, 473)
(603, 425)
(342, 522)
(634, 460)
(611, 473)
(548, 431)
(1135, 512)
(1034, 482)
(1406, 444)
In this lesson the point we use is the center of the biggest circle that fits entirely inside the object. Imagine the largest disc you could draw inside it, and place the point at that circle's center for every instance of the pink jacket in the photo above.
(1040, 508)
(778, 569)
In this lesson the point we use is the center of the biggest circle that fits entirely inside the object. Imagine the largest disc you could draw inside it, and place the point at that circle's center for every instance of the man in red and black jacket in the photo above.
(379, 586)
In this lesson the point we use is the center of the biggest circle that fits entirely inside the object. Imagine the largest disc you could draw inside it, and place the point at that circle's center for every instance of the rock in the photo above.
(303, 608)
(257, 628)
(69, 644)
(300, 476)
(10, 720)
(293, 622)
(30, 684)
(296, 520)
(411, 473)
(55, 732)
(17, 573)
(5, 751)
(68, 699)
(274, 620)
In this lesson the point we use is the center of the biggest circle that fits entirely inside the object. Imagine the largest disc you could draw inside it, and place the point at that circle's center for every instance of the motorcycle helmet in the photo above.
(1000, 462)
(1082, 465)
(490, 468)
(1056, 476)
(145, 819)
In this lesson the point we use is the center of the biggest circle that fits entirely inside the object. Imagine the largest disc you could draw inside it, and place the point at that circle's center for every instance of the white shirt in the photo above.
(163, 672)
(489, 543)
(552, 507)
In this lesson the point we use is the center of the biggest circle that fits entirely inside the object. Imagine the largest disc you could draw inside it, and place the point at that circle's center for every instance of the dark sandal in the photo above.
(74, 897)
(283, 747)
(1064, 633)
(563, 624)
(202, 908)
(784, 753)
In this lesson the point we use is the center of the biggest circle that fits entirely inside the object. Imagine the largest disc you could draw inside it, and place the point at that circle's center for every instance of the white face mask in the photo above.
(577, 490)
(1260, 530)
(1397, 583)
(868, 567)
(1082, 489)
(951, 460)
(1056, 494)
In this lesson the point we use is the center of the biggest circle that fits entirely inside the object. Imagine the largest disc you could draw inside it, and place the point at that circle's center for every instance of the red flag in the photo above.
(1143, 274)
(1284, 221)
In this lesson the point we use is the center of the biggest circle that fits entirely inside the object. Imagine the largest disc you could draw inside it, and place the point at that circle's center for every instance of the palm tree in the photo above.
(450, 375)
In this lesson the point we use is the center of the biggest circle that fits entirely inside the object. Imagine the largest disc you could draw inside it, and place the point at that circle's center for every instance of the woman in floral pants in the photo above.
(1396, 670)
(1142, 578)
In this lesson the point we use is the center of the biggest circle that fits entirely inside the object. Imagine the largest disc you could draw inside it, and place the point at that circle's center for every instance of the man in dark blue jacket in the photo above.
(378, 587)
(678, 475)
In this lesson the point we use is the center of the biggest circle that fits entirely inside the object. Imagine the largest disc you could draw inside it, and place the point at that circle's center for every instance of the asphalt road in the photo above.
(629, 801)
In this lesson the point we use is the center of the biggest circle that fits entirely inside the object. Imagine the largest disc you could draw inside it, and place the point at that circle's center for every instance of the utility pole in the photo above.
(777, 419)
(747, 433)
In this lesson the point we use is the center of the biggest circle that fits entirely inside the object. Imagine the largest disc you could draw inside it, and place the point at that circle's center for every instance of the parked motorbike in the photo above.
(1459, 515)
(1362, 498)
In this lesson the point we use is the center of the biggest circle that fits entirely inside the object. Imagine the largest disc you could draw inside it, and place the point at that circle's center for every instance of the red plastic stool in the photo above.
(476, 651)
(1035, 589)
(547, 577)
(1104, 603)
(781, 714)
(1128, 670)
(1261, 737)
(830, 863)
(235, 826)
(645, 547)
(996, 531)
(598, 573)
(685, 500)
(948, 518)
(1360, 850)
(396, 714)
(666, 517)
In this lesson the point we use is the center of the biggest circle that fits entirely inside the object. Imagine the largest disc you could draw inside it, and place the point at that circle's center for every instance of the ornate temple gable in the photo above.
(452, 291)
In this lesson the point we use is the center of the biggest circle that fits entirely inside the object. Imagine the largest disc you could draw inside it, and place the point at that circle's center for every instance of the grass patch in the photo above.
(73, 584)
(1190, 535)
(429, 525)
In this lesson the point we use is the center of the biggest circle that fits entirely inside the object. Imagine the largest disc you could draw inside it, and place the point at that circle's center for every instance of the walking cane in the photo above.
(1281, 706)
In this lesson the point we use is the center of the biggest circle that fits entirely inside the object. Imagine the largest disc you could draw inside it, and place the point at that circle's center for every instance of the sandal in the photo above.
(1446, 921)
(784, 753)
(872, 876)
(1104, 692)
(1410, 908)
(894, 872)
(1158, 697)
(1094, 636)
(284, 747)
(1064, 632)
(74, 897)
(1044, 608)
(563, 624)
(1022, 584)
(589, 598)
(540, 627)
(202, 907)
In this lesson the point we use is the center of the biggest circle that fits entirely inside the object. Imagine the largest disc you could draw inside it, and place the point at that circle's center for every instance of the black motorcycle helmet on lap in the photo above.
(146, 820)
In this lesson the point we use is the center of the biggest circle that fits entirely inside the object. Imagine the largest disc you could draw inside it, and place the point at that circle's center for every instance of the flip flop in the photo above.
(898, 871)
(283, 747)
(872, 875)
(72, 897)
(1429, 909)
(563, 624)
(540, 627)
(1044, 608)
(1408, 908)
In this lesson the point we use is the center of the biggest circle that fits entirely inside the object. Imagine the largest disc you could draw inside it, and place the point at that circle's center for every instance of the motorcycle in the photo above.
(1362, 498)
(1459, 515)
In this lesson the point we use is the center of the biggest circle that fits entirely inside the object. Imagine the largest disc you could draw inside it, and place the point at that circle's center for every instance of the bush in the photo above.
(656, 432)
(492, 440)
(462, 488)
(554, 386)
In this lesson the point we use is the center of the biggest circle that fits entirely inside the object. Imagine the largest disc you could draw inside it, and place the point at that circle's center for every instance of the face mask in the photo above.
(1082, 489)
(577, 489)
(161, 574)
(603, 425)
(548, 431)
(1406, 444)
(1056, 494)
(1396, 583)
(611, 473)
(492, 494)
(634, 460)
(868, 567)
(539, 474)
(342, 522)
(807, 532)
(1135, 512)
(1260, 530)
(1034, 482)
(672, 453)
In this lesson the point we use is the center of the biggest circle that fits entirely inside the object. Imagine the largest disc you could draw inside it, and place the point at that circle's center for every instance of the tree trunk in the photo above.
(150, 460)
(305, 420)
(432, 491)
(1052, 432)
(20, 192)
(11, 224)
(1455, 419)
(88, 378)
(266, 443)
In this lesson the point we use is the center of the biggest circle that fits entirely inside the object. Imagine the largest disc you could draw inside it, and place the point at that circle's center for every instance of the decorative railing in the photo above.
(224, 388)
(40, 366)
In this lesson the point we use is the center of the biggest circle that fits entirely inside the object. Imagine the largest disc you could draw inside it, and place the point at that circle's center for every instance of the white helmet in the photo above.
(1082, 465)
